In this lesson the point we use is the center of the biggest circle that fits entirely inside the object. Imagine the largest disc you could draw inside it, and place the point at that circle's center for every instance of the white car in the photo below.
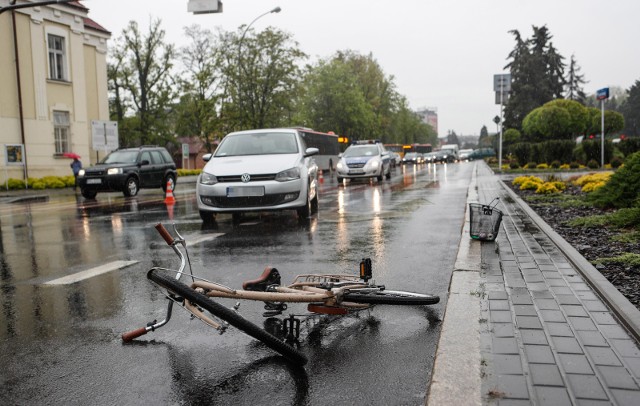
(259, 170)
(465, 154)
(364, 161)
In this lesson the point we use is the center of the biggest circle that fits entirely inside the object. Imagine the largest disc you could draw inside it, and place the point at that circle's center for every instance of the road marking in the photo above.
(193, 240)
(89, 273)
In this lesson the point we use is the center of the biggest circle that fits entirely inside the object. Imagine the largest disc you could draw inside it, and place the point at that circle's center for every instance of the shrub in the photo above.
(38, 185)
(616, 162)
(542, 166)
(565, 166)
(52, 182)
(593, 164)
(14, 184)
(547, 188)
(530, 165)
(514, 165)
(522, 179)
(574, 165)
(623, 188)
(555, 164)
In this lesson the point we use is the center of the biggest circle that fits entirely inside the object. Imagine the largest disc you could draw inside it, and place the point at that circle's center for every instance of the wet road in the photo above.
(72, 279)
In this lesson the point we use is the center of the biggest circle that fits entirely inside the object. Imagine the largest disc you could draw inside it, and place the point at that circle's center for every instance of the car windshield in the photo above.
(364, 150)
(266, 143)
(121, 157)
(411, 155)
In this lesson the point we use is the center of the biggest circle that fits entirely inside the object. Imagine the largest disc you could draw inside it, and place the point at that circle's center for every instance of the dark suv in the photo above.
(127, 171)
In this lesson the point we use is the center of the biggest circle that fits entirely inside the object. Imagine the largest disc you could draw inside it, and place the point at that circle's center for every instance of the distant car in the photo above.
(396, 159)
(482, 153)
(127, 171)
(412, 158)
(429, 157)
(444, 156)
(364, 161)
(259, 170)
(464, 154)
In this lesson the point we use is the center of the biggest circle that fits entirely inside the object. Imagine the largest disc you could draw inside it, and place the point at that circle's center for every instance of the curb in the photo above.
(456, 372)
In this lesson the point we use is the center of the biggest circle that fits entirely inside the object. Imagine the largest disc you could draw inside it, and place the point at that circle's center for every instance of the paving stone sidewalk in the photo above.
(546, 336)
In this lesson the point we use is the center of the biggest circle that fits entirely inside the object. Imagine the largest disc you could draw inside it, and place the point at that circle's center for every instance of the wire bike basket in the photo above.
(485, 220)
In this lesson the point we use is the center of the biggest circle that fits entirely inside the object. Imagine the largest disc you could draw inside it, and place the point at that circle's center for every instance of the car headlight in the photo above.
(208, 179)
(114, 171)
(340, 165)
(289, 174)
(373, 163)
(81, 172)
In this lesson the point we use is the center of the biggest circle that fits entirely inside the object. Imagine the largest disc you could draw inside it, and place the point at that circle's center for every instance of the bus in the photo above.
(395, 148)
(419, 148)
(328, 145)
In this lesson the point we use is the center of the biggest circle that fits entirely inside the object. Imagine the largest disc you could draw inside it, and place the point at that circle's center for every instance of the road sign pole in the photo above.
(602, 133)
(500, 139)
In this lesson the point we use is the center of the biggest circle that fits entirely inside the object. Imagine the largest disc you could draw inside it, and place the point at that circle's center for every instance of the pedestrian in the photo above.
(76, 165)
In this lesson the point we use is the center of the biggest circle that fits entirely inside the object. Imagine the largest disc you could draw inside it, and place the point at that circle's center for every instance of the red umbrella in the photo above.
(71, 155)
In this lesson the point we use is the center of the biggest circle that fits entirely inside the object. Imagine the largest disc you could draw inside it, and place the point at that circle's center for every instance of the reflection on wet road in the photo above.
(61, 342)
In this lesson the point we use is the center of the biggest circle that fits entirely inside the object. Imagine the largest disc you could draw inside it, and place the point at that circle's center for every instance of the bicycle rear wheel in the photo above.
(228, 315)
(390, 297)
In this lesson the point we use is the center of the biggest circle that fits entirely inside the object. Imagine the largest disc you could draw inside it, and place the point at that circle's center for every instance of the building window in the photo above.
(61, 130)
(57, 57)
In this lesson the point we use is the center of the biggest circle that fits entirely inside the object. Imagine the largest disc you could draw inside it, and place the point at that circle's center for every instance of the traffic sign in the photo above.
(602, 94)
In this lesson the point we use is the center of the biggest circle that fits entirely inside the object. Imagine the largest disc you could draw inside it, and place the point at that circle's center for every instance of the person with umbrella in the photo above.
(76, 165)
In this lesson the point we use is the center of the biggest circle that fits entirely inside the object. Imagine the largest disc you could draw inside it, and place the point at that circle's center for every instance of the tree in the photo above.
(631, 110)
(574, 82)
(141, 73)
(263, 72)
(537, 75)
(197, 113)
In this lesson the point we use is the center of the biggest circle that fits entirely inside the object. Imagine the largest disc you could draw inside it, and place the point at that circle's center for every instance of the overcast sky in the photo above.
(441, 53)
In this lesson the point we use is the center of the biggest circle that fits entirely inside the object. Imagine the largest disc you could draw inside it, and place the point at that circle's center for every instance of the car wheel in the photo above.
(131, 187)
(169, 179)
(339, 179)
(88, 194)
(207, 217)
(381, 176)
(389, 173)
(314, 203)
(305, 211)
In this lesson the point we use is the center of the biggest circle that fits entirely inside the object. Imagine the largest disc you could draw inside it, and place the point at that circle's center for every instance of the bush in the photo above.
(542, 166)
(574, 165)
(593, 164)
(616, 162)
(530, 165)
(14, 184)
(514, 165)
(547, 188)
(623, 188)
(555, 164)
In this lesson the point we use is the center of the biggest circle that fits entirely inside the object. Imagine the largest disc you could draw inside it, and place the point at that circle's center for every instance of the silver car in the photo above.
(259, 170)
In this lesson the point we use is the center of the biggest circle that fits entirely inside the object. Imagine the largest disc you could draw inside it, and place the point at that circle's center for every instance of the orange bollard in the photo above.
(170, 210)
(169, 198)
(320, 177)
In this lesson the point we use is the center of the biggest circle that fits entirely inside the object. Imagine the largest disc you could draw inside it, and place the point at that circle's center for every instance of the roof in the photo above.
(88, 22)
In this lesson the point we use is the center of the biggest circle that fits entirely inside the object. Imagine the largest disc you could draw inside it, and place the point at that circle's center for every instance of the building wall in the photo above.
(84, 96)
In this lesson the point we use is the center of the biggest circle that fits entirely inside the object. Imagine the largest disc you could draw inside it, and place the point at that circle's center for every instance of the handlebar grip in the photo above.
(126, 337)
(164, 233)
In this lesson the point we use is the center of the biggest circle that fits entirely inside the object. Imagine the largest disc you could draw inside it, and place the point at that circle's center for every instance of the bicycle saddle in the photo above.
(270, 276)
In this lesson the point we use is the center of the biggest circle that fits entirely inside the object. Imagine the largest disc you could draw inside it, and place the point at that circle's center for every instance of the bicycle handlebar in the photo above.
(164, 233)
(126, 337)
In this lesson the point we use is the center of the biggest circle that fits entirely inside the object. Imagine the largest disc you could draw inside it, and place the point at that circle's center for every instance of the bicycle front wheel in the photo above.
(228, 315)
(390, 297)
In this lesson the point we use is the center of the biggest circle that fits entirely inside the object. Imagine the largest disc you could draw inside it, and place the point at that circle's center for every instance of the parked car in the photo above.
(464, 154)
(129, 170)
(364, 161)
(412, 158)
(259, 170)
(444, 156)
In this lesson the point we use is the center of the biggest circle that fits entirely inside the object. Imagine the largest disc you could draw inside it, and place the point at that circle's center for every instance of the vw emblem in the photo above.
(245, 177)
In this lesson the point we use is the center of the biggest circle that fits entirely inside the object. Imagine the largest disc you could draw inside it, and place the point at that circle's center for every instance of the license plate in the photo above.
(94, 181)
(356, 171)
(244, 191)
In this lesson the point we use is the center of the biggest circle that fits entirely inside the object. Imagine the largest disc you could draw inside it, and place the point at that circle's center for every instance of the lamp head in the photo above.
(276, 10)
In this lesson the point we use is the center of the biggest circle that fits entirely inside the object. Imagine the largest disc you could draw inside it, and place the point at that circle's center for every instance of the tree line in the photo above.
(236, 80)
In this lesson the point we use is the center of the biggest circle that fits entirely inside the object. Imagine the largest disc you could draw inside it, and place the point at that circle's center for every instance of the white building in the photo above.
(54, 83)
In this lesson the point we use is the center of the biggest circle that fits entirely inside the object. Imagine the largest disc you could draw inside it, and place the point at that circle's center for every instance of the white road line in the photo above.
(193, 240)
(89, 273)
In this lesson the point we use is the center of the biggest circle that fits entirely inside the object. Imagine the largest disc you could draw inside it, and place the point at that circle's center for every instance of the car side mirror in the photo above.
(311, 151)
(144, 162)
(207, 157)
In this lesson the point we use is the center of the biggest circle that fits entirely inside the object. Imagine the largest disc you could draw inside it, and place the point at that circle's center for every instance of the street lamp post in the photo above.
(241, 41)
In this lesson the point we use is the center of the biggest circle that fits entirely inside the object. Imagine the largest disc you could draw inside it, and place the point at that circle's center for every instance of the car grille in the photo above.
(254, 178)
(248, 201)
(357, 165)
